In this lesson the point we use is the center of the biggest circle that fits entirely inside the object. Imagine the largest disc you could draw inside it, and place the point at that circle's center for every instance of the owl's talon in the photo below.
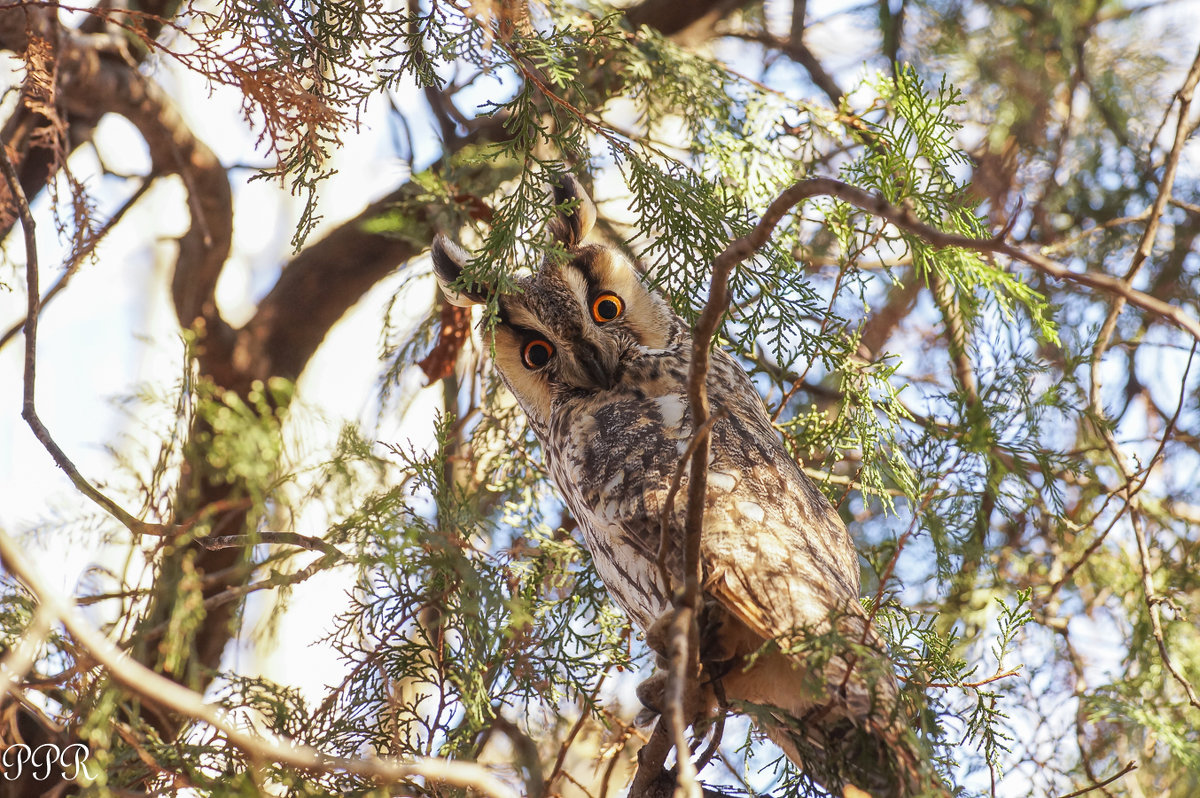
(653, 694)
(658, 636)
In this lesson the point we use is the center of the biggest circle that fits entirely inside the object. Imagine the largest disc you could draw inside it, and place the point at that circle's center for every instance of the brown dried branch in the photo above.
(36, 130)
(995, 677)
(685, 675)
(453, 331)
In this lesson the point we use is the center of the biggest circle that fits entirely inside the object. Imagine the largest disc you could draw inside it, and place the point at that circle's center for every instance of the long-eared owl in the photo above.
(599, 363)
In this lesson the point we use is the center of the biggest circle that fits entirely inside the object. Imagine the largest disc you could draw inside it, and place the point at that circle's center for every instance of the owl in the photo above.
(599, 364)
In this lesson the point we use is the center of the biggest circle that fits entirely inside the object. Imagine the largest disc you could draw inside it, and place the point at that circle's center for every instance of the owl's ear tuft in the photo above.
(571, 224)
(449, 259)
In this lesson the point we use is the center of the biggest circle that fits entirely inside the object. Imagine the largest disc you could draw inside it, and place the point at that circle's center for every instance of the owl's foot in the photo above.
(653, 694)
(658, 636)
(698, 698)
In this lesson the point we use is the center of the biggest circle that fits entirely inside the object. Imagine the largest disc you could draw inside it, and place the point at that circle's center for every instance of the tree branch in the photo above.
(158, 689)
(675, 19)
(1129, 766)
(904, 219)
(795, 49)
(90, 77)
(77, 257)
(33, 308)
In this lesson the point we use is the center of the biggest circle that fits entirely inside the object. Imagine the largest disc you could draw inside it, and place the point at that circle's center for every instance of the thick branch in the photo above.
(672, 18)
(795, 49)
(321, 283)
(90, 77)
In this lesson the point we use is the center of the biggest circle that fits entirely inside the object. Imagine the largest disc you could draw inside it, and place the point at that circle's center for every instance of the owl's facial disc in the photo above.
(578, 324)
(569, 331)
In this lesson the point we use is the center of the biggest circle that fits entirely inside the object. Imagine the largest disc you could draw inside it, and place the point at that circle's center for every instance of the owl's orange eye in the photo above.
(606, 307)
(537, 353)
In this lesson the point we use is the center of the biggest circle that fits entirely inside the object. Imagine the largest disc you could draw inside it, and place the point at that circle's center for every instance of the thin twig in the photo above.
(89, 246)
(157, 689)
(685, 663)
(275, 580)
(685, 634)
(1131, 490)
(279, 538)
(1129, 766)
(965, 685)
(664, 539)
(33, 307)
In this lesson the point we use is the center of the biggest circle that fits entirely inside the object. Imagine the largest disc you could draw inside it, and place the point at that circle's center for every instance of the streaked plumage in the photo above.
(607, 397)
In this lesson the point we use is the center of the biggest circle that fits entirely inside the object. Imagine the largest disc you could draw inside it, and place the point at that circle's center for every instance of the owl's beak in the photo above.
(595, 366)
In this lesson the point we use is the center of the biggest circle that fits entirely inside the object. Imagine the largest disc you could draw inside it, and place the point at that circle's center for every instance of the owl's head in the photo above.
(575, 326)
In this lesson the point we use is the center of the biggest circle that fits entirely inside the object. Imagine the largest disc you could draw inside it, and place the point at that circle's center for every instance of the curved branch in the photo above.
(904, 219)
(90, 78)
(675, 19)
(321, 283)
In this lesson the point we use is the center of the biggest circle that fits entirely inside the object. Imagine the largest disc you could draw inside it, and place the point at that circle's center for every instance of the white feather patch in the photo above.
(722, 481)
(751, 511)
(671, 408)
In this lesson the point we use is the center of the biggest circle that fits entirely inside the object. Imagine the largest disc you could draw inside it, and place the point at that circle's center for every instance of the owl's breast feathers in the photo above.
(774, 551)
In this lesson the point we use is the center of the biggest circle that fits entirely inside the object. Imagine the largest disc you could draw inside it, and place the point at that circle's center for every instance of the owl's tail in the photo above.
(838, 717)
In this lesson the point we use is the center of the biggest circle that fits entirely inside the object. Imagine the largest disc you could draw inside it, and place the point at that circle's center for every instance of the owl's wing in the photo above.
(774, 551)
